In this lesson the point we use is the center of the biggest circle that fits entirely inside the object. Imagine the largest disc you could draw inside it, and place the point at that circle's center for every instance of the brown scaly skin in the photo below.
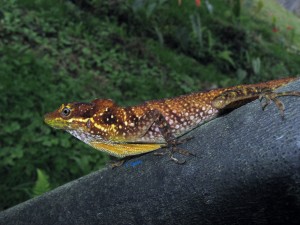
(126, 131)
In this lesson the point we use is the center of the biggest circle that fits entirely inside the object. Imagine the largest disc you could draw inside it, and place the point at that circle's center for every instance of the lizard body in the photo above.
(125, 131)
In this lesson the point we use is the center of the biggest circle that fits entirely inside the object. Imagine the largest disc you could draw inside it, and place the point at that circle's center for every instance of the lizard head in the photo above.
(72, 116)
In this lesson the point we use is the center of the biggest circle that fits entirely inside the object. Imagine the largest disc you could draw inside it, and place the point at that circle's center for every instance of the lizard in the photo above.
(133, 130)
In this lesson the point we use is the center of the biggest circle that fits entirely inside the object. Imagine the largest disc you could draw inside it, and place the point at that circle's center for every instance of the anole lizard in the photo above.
(126, 131)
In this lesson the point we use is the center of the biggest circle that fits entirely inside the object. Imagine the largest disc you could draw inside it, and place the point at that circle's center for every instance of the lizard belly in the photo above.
(114, 148)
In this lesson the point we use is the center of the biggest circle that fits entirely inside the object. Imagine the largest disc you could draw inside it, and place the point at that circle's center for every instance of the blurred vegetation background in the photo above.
(52, 52)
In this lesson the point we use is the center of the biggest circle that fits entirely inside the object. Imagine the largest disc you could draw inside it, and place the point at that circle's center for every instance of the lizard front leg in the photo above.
(171, 140)
(150, 131)
(151, 127)
(152, 121)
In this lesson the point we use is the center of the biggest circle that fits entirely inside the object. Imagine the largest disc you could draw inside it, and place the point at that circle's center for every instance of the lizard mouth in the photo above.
(56, 123)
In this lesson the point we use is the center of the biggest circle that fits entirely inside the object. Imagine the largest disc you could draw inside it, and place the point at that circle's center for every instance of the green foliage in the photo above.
(223, 33)
(54, 52)
(42, 184)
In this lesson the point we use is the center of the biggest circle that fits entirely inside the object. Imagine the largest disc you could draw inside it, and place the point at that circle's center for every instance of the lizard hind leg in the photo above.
(242, 95)
(270, 96)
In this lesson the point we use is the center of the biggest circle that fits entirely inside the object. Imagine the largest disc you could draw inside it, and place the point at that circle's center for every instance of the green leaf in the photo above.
(256, 65)
(237, 8)
(197, 27)
(14, 126)
(259, 6)
(159, 35)
(86, 51)
(241, 74)
(42, 184)
(226, 55)
(150, 9)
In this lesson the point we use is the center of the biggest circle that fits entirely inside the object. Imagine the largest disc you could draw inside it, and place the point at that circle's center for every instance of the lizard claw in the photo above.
(171, 149)
(273, 96)
(176, 160)
(116, 163)
(160, 153)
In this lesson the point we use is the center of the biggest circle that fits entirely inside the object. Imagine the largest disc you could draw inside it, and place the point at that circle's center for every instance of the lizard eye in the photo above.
(65, 112)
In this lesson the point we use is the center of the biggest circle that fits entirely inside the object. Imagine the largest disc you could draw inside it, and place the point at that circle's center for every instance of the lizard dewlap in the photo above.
(125, 131)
